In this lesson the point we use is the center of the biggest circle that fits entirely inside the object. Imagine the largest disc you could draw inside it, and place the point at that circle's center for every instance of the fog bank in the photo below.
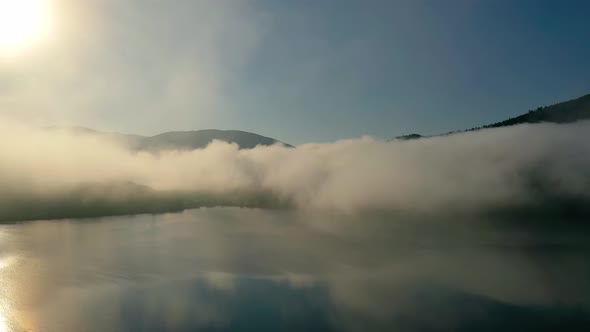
(53, 174)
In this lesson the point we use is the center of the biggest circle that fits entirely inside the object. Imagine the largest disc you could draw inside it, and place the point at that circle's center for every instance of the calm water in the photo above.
(257, 270)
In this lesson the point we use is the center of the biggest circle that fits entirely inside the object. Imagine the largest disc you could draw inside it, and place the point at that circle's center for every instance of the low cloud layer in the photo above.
(49, 174)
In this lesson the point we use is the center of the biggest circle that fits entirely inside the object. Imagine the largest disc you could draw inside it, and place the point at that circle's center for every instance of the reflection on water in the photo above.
(257, 270)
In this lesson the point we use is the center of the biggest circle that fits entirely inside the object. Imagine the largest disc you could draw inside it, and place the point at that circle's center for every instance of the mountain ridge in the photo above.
(180, 140)
(563, 112)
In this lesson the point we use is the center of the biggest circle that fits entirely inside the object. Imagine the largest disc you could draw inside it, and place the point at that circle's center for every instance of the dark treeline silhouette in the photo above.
(409, 137)
(88, 200)
(565, 112)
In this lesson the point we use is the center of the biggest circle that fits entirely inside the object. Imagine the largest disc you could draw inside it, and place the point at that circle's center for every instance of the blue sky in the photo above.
(301, 71)
(330, 70)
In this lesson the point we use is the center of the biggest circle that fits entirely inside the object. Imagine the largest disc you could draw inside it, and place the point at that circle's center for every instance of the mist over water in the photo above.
(153, 226)
(235, 269)
(539, 169)
(482, 231)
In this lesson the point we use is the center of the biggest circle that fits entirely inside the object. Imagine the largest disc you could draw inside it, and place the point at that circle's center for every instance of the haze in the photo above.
(263, 165)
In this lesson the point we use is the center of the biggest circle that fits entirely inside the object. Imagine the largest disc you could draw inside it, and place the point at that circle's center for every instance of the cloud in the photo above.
(531, 166)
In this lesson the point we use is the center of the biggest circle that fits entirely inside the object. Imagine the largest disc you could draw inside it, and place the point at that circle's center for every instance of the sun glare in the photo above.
(22, 23)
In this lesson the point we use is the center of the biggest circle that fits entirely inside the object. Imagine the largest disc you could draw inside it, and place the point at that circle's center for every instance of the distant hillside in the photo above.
(190, 140)
(565, 112)
(409, 137)
(180, 140)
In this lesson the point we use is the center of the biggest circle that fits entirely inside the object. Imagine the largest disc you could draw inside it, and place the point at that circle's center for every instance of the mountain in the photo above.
(190, 140)
(180, 140)
(565, 112)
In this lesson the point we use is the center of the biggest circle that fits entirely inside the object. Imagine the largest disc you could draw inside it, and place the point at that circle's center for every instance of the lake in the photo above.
(232, 269)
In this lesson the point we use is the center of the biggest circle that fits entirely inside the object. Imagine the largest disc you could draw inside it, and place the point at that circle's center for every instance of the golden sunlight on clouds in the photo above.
(22, 23)
(3, 324)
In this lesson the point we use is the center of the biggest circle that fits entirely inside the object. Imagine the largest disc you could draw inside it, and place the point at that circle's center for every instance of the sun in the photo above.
(22, 23)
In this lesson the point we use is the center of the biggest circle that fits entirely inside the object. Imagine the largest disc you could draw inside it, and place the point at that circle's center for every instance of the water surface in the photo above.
(231, 269)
